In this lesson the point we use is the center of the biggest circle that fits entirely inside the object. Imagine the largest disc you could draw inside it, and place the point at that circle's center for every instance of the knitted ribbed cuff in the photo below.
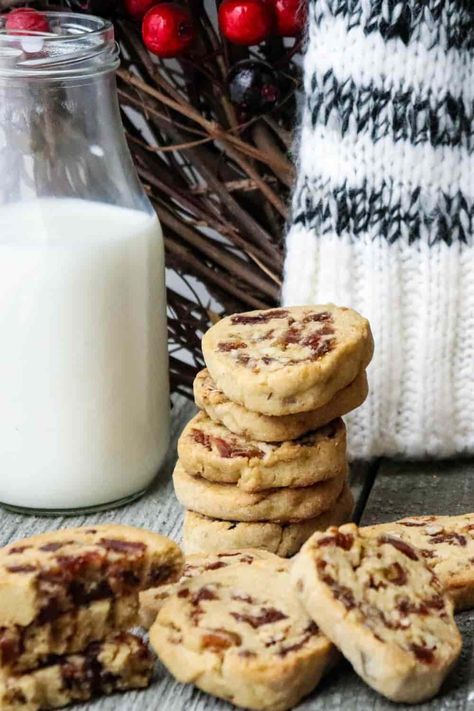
(383, 209)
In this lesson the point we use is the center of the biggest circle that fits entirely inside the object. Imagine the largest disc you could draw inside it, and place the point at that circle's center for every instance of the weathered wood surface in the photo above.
(415, 488)
(384, 493)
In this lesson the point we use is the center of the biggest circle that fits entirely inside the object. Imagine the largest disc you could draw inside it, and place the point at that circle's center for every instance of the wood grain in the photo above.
(382, 494)
(416, 488)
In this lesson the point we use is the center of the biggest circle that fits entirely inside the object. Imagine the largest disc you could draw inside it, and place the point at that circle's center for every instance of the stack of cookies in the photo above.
(264, 464)
(67, 601)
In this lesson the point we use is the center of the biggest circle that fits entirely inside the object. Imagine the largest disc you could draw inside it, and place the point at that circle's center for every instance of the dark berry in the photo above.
(168, 29)
(26, 20)
(138, 8)
(290, 17)
(253, 87)
(245, 22)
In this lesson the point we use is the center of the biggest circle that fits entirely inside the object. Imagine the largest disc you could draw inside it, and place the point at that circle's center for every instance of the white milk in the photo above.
(83, 353)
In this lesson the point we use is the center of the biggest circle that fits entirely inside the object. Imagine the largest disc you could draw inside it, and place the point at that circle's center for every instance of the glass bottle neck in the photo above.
(64, 138)
(70, 45)
(60, 128)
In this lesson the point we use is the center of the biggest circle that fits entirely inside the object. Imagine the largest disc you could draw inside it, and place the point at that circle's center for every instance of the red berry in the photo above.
(290, 16)
(245, 22)
(168, 29)
(25, 19)
(138, 8)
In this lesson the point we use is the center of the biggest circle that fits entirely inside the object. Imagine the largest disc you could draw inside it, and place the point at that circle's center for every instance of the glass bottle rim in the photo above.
(76, 45)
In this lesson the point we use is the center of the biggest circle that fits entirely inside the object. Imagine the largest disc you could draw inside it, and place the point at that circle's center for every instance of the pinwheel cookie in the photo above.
(241, 634)
(383, 607)
(447, 545)
(210, 450)
(283, 361)
(152, 600)
(273, 428)
(230, 503)
(201, 533)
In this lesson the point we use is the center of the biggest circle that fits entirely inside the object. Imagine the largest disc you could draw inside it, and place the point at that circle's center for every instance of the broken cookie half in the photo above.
(120, 663)
(67, 599)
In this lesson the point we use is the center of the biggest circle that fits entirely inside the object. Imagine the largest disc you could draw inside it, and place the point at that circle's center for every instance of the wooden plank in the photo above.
(415, 488)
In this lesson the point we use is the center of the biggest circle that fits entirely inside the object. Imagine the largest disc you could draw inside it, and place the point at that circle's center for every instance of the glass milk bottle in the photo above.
(83, 344)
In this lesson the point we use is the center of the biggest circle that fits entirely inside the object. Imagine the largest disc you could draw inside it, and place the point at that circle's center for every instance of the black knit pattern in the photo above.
(446, 23)
(356, 212)
(440, 120)
(406, 115)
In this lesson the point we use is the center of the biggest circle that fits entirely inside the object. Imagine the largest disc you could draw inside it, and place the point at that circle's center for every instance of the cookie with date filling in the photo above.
(382, 606)
(201, 533)
(152, 600)
(271, 428)
(119, 663)
(46, 575)
(25, 648)
(240, 633)
(208, 449)
(231, 503)
(288, 360)
(447, 545)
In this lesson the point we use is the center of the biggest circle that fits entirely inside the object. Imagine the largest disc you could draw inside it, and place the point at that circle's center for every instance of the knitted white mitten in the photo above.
(383, 210)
